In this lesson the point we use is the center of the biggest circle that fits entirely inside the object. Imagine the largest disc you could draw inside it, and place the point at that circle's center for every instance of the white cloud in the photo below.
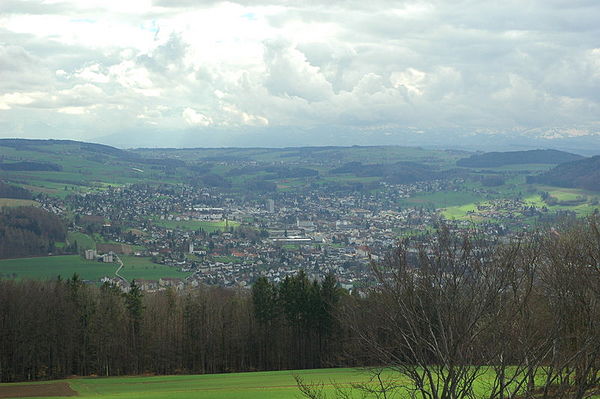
(240, 118)
(290, 74)
(113, 65)
(194, 118)
(412, 79)
(7, 101)
(92, 73)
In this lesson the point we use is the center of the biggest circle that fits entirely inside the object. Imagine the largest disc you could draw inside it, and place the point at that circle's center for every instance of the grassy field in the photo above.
(84, 241)
(460, 212)
(253, 385)
(463, 205)
(138, 267)
(208, 226)
(49, 267)
(442, 199)
(263, 385)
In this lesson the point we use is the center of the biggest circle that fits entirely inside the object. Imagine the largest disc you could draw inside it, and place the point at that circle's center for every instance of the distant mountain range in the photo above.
(293, 136)
(584, 174)
(495, 159)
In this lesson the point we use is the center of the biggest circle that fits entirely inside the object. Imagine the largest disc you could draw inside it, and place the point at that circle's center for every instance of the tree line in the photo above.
(445, 315)
(58, 328)
(10, 191)
(29, 231)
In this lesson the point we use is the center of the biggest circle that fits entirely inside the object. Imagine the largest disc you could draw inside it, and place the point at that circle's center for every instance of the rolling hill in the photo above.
(583, 174)
(495, 159)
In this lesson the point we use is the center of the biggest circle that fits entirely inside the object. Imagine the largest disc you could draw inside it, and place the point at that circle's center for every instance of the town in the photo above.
(230, 240)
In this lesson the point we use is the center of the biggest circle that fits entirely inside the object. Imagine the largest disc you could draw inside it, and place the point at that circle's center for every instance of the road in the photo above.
(119, 268)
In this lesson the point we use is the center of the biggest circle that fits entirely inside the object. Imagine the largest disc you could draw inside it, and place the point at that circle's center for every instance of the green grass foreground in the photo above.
(251, 385)
(271, 384)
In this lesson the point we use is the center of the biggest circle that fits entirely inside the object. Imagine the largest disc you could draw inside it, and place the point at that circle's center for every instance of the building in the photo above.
(90, 254)
(108, 258)
(270, 206)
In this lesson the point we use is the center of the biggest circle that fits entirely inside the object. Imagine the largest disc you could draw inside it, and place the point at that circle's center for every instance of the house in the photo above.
(107, 258)
(146, 285)
(171, 282)
(90, 254)
(363, 251)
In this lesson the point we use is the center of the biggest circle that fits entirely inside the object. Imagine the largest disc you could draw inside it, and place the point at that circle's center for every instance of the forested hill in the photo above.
(28, 231)
(494, 159)
(583, 174)
(67, 146)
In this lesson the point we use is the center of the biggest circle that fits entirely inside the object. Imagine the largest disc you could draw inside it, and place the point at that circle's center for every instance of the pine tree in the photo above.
(133, 303)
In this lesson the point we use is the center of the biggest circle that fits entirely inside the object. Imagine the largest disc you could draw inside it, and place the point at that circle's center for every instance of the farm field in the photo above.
(50, 267)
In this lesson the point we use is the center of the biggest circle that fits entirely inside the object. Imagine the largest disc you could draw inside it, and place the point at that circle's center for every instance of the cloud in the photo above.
(105, 66)
(194, 118)
(290, 74)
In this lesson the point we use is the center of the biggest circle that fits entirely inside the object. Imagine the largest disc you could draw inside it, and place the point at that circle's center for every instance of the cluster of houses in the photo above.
(276, 233)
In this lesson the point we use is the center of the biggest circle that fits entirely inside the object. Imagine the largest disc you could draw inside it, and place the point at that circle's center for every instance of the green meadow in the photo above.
(254, 385)
(442, 199)
(84, 241)
(250, 385)
(50, 267)
(142, 268)
(191, 225)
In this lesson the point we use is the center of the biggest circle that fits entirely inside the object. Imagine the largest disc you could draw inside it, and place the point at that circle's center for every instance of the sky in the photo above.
(175, 73)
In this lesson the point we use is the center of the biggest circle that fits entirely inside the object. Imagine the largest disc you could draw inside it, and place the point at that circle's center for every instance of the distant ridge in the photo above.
(583, 174)
(66, 148)
(495, 159)
(24, 144)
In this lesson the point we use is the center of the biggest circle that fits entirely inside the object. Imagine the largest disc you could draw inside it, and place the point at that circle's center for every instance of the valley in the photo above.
(185, 217)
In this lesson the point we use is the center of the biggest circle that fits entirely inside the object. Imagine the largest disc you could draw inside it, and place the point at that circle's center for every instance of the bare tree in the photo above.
(570, 282)
(443, 318)
(458, 318)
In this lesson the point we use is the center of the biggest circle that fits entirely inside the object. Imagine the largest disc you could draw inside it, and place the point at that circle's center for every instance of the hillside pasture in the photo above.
(84, 241)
